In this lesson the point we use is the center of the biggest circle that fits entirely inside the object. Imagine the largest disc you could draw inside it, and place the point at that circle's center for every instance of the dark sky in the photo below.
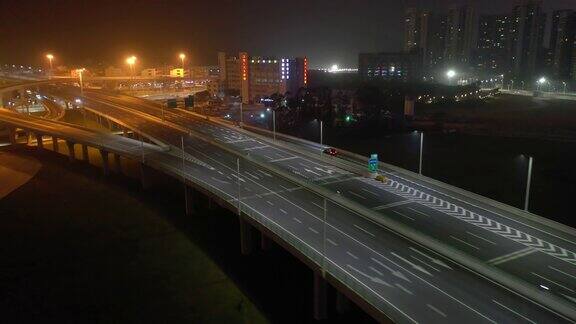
(327, 31)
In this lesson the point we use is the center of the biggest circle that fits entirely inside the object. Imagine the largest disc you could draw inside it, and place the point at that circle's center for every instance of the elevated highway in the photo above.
(362, 236)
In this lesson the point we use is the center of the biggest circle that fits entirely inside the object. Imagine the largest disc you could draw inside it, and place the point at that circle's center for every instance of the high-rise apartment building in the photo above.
(562, 44)
(493, 44)
(526, 38)
(461, 34)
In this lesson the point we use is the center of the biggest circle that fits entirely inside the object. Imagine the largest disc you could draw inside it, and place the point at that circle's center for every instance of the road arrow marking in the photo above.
(434, 260)
(415, 266)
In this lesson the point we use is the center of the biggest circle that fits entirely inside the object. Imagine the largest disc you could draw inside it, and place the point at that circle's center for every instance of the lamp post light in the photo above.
(131, 61)
(450, 75)
(80, 71)
(564, 84)
(540, 82)
(182, 57)
(50, 57)
(512, 85)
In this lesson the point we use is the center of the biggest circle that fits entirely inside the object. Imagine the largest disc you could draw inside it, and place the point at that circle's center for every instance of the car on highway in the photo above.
(330, 151)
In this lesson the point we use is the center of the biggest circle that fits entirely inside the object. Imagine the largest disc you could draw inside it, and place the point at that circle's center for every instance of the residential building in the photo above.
(526, 38)
(403, 67)
(113, 71)
(150, 72)
(562, 44)
(491, 56)
(461, 34)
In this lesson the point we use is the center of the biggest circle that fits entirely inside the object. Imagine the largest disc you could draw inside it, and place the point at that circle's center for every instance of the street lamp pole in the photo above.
(528, 184)
(80, 71)
(421, 150)
(241, 114)
(50, 57)
(321, 133)
(274, 123)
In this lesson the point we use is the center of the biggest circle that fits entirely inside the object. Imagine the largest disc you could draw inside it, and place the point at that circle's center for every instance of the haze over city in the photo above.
(328, 31)
(288, 161)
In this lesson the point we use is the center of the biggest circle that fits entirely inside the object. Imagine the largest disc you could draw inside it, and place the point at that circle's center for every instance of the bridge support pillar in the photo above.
(190, 197)
(144, 176)
(12, 135)
(85, 157)
(105, 167)
(55, 143)
(265, 242)
(342, 303)
(245, 237)
(71, 153)
(118, 163)
(39, 141)
(320, 296)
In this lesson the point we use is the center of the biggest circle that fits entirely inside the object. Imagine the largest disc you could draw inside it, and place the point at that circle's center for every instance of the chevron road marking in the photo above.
(475, 219)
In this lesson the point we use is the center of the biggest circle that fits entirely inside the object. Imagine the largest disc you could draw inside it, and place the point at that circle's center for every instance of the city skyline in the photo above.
(327, 32)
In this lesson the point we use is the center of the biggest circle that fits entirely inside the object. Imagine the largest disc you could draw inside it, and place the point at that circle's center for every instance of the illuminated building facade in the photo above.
(256, 77)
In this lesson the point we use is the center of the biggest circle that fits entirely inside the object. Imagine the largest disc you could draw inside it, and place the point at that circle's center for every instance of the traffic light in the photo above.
(171, 103)
(189, 102)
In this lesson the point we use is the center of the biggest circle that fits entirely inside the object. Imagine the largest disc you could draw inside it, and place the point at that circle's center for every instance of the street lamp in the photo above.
(528, 183)
(50, 57)
(80, 71)
(450, 74)
(131, 61)
(182, 57)
(540, 82)
(564, 83)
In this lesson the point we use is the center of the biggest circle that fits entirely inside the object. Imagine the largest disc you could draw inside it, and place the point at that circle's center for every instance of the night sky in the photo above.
(327, 31)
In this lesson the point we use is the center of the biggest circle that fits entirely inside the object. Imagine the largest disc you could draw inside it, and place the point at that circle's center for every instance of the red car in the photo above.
(330, 151)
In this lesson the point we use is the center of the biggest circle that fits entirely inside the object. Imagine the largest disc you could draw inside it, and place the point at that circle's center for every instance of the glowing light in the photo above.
(131, 60)
(50, 56)
(542, 80)
(182, 56)
(450, 74)
(334, 68)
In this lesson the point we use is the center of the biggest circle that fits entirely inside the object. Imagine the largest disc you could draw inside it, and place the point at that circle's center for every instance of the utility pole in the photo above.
(184, 177)
(274, 123)
(421, 151)
(321, 133)
(238, 180)
(528, 183)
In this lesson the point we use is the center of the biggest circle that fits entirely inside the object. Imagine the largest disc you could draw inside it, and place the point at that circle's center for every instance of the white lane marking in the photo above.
(314, 173)
(481, 221)
(481, 238)
(269, 203)
(297, 220)
(370, 192)
(283, 159)
(331, 242)
(404, 289)
(313, 230)
(565, 273)
(415, 266)
(424, 262)
(221, 181)
(375, 270)
(283, 211)
(552, 281)
(512, 256)
(235, 176)
(221, 173)
(371, 278)
(352, 255)
(464, 242)
(247, 189)
(357, 195)
(513, 311)
(265, 173)
(570, 298)
(252, 175)
(285, 188)
(317, 205)
(239, 141)
(436, 310)
(418, 212)
(403, 215)
(363, 230)
(255, 148)
(403, 202)
(394, 272)
(434, 260)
